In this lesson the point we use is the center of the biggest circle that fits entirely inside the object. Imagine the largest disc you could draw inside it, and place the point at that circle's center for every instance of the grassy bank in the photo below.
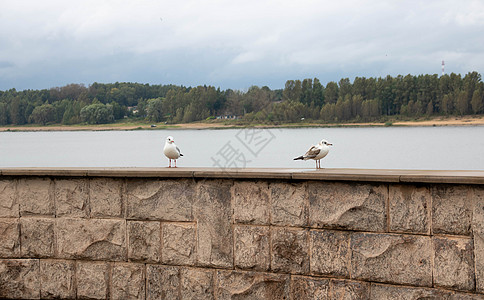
(217, 124)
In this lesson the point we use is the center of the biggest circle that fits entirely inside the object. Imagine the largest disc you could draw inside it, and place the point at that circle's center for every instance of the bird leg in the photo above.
(175, 162)
(170, 163)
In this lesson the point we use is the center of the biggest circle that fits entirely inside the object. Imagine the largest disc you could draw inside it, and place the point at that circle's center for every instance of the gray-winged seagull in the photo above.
(316, 152)
(171, 150)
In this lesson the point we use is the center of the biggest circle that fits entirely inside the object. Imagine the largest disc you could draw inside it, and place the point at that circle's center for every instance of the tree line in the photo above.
(364, 99)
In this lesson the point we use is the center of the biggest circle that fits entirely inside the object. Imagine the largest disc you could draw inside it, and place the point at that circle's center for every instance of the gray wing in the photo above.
(312, 152)
(179, 152)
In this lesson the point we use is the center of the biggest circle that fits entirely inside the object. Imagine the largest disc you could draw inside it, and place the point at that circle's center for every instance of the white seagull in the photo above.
(316, 152)
(171, 150)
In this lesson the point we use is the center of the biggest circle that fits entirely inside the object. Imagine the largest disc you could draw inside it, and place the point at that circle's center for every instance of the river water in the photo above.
(426, 148)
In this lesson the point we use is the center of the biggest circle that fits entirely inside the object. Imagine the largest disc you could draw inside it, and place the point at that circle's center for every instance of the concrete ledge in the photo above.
(368, 175)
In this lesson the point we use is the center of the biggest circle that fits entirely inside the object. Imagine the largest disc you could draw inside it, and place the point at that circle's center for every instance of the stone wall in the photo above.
(110, 237)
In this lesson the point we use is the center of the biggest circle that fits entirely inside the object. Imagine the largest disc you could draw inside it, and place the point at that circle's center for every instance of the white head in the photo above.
(325, 143)
(170, 140)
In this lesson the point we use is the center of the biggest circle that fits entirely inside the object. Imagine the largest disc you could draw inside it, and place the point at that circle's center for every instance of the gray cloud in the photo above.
(234, 44)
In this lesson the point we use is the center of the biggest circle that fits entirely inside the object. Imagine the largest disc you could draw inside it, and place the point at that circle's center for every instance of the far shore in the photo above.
(440, 121)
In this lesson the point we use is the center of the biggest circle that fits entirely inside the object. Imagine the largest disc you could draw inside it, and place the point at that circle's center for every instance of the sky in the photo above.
(234, 44)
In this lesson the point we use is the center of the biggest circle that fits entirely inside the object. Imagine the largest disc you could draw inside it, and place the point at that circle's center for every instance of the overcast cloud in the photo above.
(234, 44)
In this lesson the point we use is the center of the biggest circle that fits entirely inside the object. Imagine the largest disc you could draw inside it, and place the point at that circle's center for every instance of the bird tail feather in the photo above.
(181, 154)
(299, 157)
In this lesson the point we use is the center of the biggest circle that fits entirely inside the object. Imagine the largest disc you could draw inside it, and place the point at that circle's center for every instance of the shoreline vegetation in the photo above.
(473, 120)
(383, 101)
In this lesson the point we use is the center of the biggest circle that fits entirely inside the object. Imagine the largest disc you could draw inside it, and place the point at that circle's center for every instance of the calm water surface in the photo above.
(437, 148)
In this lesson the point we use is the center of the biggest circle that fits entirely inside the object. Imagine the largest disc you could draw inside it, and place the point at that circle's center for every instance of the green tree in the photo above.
(97, 114)
(477, 102)
(3, 114)
(155, 110)
(462, 103)
(43, 114)
(331, 92)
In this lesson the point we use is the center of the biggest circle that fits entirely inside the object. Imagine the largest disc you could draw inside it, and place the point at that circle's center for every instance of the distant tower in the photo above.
(443, 68)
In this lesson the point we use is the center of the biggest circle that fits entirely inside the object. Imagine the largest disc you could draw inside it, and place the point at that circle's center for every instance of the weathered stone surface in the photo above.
(57, 279)
(330, 253)
(197, 284)
(165, 200)
(465, 296)
(128, 281)
(391, 292)
(106, 197)
(454, 263)
(452, 209)
(37, 237)
(162, 282)
(97, 239)
(92, 280)
(402, 259)
(72, 197)
(409, 209)
(9, 237)
(179, 243)
(251, 202)
(144, 241)
(349, 206)
(35, 196)
(345, 289)
(306, 288)
(239, 285)
(289, 204)
(8, 199)
(19, 279)
(290, 250)
(478, 234)
(213, 213)
(252, 247)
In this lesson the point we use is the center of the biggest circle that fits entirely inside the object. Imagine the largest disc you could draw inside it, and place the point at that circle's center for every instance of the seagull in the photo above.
(171, 150)
(316, 152)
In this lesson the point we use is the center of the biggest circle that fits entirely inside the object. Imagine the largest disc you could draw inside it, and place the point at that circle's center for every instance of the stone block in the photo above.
(144, 241)
(251, 202)
(213, 213)
(35, 196)
(330, 253)
(306, 288)
(179, 243)
(252, 248)
(19, 279)
(289, 204)
(392, 258)
(72, 197)
(57, 279)
(452, 209)
(9, 237)
(345, 289)
(164, 200)
(454, 263)
(290, 250)
(8, 199)
(409, 208)
(106, 198)
(92, 280)
(162, 282)
(128, 281)
(196, 284)
(37, 237)
(251, 285)
(478, 234)
(97, 239)
(348, 206)
(391, 292)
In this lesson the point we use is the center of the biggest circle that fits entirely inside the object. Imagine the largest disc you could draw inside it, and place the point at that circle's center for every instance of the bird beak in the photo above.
(330, 144)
